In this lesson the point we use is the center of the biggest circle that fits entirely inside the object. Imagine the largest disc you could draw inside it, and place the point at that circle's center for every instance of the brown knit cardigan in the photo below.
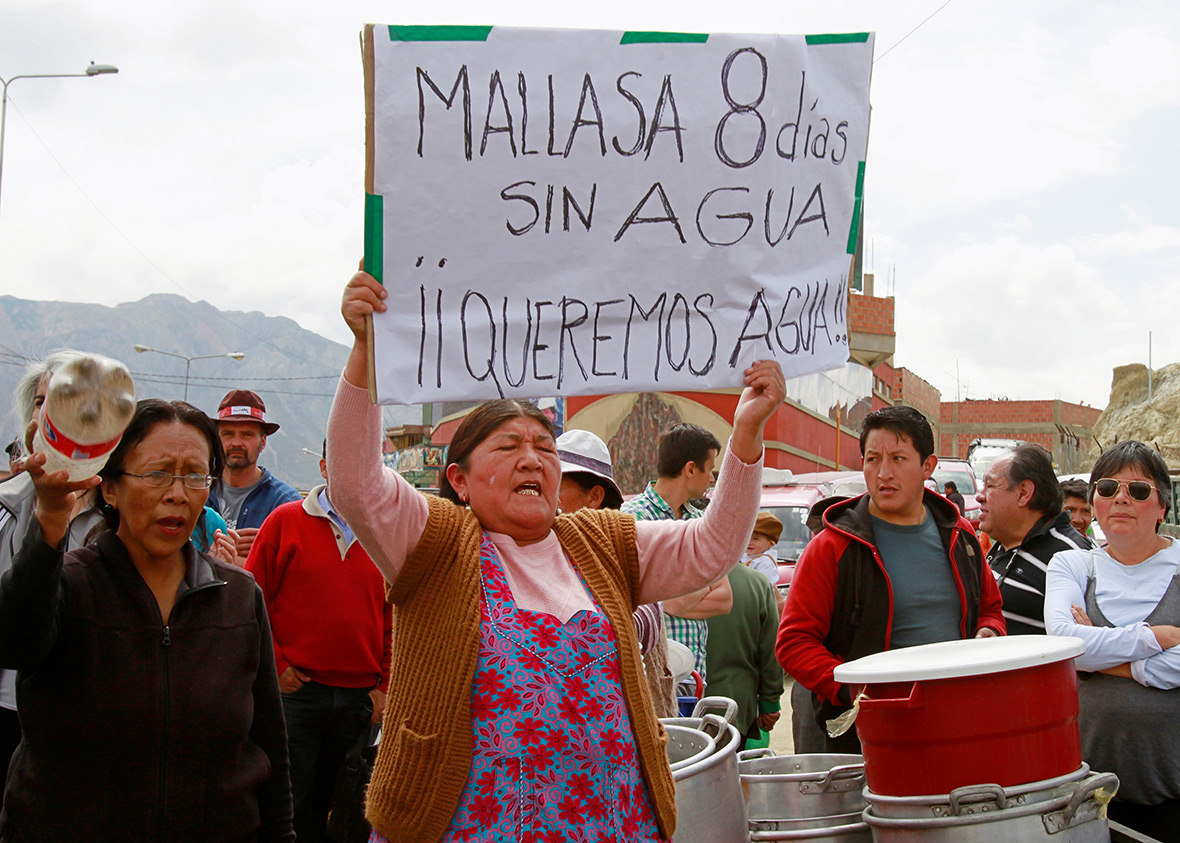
(425, 754)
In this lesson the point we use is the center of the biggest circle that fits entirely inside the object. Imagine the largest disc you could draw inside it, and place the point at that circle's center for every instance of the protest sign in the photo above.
(564, 212)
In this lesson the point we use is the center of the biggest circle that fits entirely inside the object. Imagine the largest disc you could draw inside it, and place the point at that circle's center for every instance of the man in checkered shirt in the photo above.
(685, 466)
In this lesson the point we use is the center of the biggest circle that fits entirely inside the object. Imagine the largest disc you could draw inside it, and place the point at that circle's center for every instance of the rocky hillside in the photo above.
(1130, 415)
(294, 370)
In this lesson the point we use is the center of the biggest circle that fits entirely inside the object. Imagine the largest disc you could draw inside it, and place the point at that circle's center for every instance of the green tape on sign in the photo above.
(439, 33)
(854, 232)
(838, 38)
(374, 235)
(664, 38)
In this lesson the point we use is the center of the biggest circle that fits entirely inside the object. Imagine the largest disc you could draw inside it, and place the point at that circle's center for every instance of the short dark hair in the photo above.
(1133, 454)
(149, 413)
(950, 484)
(683, 444)
(1031, 462)
(1075, 489)
(481, 423)
(587, 481)
(903, 421)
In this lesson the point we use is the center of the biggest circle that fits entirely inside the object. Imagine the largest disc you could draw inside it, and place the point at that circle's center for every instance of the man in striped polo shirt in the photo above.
(1020, 509)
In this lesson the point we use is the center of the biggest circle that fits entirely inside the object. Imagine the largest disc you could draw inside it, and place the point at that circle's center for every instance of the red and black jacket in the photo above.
(840, 605)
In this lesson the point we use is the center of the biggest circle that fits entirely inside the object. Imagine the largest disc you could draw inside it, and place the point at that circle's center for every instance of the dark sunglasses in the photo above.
(1139, 490)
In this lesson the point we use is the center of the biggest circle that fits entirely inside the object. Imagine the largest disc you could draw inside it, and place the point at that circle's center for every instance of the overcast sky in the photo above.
(1020, 188)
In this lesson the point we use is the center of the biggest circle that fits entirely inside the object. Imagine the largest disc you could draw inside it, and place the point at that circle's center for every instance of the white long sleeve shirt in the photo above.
(1127, 594)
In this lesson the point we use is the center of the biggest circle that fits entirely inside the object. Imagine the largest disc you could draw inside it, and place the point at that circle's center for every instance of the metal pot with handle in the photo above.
(709, 803)
(982, 815)
(687, 746)
(792, 787)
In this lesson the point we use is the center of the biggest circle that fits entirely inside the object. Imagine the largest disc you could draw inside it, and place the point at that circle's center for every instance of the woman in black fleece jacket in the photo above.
(147, 692)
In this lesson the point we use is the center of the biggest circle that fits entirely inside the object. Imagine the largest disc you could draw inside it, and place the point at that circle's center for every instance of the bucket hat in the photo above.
(581, 452)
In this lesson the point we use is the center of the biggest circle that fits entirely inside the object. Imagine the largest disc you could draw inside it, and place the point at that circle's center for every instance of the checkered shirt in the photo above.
(693, 634)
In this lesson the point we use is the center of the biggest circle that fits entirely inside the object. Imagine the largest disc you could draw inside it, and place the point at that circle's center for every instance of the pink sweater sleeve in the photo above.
(676, 557)
(387, 514)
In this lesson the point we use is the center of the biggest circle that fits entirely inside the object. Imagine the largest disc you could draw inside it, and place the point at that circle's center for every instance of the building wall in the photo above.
(1063, 428)
(912, 390)
(870, 314)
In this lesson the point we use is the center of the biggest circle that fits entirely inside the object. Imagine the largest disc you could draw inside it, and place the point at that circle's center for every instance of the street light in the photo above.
(92, 70)
(188, 361)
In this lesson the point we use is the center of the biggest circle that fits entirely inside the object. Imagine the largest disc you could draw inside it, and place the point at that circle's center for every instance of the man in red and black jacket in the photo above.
(894, 568)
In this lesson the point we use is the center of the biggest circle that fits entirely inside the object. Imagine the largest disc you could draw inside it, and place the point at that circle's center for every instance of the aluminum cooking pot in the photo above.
(687, 746)
(709, 804)
(1076, 815)
(797, 786)
(722, 708)
(854, 832)
(972, 799)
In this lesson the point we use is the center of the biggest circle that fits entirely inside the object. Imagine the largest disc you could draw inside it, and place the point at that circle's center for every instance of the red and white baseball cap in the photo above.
(244, 405)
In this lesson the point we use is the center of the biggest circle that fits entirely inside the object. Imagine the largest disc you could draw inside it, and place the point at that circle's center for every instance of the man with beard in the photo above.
(247, 492)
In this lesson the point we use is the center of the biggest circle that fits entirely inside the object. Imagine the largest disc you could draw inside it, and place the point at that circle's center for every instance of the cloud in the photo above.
(1015, 316)
(1145, 241)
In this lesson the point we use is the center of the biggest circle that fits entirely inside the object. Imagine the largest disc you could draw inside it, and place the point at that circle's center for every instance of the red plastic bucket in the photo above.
(970, 712)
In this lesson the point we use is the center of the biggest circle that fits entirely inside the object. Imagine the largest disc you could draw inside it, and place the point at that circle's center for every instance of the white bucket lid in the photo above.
(956, 659)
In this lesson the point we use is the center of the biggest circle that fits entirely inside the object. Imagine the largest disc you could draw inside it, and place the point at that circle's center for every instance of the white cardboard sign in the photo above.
(563, 212)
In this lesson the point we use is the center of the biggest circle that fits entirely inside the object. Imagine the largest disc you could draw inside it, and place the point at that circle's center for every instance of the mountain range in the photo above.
(293, 369)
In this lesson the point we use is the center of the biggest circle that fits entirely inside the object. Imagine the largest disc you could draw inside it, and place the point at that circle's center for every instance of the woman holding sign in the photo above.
(518, 705)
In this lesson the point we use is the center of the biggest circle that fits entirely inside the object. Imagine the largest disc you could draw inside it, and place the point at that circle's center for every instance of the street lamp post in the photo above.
(92, 70)
(188, 361)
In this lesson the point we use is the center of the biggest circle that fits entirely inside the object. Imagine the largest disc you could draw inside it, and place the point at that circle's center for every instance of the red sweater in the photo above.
(326, 601)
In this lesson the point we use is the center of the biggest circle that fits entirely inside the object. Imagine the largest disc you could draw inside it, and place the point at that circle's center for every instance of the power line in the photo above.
(912, 31)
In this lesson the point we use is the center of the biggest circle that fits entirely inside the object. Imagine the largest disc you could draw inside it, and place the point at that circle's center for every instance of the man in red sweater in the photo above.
(332, 633)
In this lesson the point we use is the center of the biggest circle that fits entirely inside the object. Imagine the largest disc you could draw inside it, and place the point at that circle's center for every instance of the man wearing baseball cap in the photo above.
(247, 492)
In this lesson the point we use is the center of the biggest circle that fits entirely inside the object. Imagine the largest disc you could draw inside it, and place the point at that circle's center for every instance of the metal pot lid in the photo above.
(957, 659)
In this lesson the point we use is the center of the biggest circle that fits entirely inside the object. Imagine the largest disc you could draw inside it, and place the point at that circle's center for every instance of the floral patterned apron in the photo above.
(554, 755)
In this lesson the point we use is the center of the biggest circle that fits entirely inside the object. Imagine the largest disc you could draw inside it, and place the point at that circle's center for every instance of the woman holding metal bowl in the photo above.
(518, 707)
(1123, 600)
(149, 704)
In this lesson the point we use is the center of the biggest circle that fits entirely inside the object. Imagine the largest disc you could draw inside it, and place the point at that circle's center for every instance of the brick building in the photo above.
(1064, 429)
(916, 392)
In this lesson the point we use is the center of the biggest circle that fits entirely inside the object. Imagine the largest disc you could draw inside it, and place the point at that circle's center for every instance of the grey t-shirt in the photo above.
(926, 604)
(230, 499)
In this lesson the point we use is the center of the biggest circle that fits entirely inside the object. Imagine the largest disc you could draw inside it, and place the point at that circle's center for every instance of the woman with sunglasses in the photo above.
(149, 704)
(1123, 600)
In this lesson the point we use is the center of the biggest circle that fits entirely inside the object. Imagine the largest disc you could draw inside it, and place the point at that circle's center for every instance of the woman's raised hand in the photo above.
(765, 390)
(54, 496)
(363, 296)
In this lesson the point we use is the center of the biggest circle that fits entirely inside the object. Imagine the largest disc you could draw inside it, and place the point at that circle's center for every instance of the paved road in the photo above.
(780, 737)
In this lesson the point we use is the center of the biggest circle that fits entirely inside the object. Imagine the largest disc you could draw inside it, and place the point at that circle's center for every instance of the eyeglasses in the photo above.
(160, 479)
(1139, 490)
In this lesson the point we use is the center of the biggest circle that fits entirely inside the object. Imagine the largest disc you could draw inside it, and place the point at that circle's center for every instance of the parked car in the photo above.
(981, 453)
(790, 503)
(959, 471)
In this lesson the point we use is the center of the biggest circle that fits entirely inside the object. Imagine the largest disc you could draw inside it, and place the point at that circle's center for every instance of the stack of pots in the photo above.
(816, 798)
(702, 750)
(976, 740)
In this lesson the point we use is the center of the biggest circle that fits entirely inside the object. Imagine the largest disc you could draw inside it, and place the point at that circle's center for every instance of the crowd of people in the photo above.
(191, 649)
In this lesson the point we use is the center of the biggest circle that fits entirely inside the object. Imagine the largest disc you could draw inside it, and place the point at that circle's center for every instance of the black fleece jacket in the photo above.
(133, 729)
